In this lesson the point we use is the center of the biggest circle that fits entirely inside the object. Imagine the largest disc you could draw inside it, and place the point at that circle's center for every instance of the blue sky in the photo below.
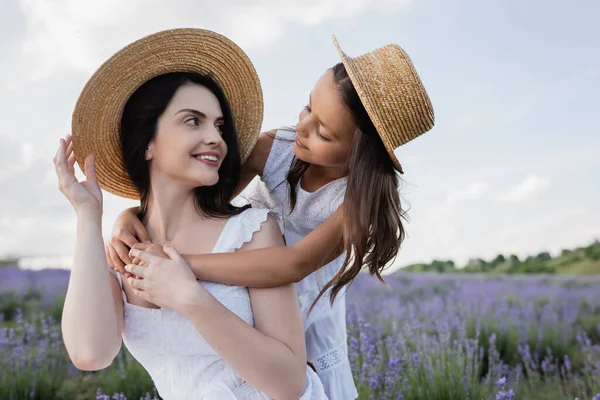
(511, 166)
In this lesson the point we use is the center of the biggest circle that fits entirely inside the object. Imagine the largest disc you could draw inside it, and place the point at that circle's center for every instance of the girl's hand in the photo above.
(127, 232)
(167, 283)
(86, 196)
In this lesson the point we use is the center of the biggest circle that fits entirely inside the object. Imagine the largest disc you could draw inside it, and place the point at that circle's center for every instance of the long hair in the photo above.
(138, 128)
(372, 221)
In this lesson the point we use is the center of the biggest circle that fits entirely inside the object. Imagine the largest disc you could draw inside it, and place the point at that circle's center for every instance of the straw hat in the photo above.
(393, 95)
(97, 115)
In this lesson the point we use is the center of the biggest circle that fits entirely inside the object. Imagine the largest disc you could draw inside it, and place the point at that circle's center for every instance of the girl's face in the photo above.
(188, 146)
(326, 129)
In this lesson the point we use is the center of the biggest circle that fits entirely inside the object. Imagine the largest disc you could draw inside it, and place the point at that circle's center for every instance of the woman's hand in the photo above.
(86, 196)
(165, 282)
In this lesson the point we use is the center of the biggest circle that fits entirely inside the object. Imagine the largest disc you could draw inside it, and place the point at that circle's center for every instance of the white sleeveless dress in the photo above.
(325, 327)
(181, 363)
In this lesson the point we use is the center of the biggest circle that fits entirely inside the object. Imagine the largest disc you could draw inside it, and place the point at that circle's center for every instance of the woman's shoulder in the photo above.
(253, 228)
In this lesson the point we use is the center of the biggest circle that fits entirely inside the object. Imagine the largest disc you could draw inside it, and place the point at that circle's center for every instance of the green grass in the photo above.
(584, 267)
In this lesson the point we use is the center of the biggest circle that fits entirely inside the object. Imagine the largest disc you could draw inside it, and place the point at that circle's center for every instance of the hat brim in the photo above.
(97, 115)
(351, 69)
(392, 93)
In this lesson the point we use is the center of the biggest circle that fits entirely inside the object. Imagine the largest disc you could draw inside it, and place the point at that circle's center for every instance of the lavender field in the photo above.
(421, 337)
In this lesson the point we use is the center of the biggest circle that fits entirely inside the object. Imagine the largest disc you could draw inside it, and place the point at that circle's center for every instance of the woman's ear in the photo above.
(149, 151)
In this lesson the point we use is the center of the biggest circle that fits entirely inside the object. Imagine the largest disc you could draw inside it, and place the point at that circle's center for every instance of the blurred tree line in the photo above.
(543, 263)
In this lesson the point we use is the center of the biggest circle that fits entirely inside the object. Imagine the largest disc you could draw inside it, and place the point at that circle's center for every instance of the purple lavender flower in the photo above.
(502, 395)
(501, 383)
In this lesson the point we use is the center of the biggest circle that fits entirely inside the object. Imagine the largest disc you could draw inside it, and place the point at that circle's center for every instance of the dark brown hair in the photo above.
(372, 225)
(138, 128)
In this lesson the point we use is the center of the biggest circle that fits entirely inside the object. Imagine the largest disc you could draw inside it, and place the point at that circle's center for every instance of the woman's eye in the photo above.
(192, 121)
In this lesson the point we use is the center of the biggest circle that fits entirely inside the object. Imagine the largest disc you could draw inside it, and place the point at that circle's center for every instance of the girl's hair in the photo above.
(138, 128)
(372, 221)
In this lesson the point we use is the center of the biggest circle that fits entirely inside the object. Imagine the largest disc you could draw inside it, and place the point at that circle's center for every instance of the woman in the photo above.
(166, 135)
(332, 180)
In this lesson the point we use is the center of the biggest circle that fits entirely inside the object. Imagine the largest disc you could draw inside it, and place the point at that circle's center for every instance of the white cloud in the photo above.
(474, 191)
(15, 155)
(264, 21)
(527, 190)
(80, 34)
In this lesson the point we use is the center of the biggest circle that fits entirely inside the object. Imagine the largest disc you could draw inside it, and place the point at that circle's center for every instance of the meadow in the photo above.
(423, 336)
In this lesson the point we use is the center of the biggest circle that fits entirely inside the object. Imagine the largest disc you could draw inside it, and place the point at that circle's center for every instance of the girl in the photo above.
(178, 152)
(332, 181)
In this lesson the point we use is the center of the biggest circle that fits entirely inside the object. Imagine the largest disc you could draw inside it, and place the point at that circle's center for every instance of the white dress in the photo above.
(326, 336)
(181, 363)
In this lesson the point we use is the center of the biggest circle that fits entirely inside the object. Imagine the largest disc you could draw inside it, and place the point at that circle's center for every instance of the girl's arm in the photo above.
(274, 266)
(255, 164)
(270, 356)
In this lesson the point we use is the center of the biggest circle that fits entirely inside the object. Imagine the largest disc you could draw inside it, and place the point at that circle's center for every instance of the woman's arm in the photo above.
(270, 356)
(92, 320)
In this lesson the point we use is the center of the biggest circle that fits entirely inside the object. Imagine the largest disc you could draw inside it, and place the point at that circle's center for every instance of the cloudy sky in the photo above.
(511, 166)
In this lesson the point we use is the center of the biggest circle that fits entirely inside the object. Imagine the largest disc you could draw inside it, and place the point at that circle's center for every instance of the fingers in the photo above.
(110, 264)
(141, 294)
(141, 246)
(138, 284)
(140, 232)
(90, 169)
(59, 159)
(71, 164)
(116, 261)
(173, 254)
(127, 238)
(136, 270)
(144, 256)
(151, 248)
(70, 155)
(64, 162)
(122, 252)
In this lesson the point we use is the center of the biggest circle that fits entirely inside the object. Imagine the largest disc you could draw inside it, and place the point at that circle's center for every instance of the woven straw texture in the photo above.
(97, 115)
(392, 93)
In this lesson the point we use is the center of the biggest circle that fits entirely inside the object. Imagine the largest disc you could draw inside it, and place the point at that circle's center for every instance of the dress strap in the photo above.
(118, 278)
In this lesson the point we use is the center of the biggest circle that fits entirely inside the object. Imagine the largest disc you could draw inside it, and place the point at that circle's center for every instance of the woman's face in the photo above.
(325, 130)
(188, 146)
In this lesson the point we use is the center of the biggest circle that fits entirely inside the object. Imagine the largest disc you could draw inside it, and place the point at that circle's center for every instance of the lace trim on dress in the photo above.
(332, 359)
(253, 219)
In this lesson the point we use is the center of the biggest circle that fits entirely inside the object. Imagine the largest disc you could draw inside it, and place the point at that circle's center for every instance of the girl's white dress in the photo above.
(326, 336)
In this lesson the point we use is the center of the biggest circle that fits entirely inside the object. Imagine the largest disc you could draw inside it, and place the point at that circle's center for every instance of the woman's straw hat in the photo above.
(97, 115)
(393, 95)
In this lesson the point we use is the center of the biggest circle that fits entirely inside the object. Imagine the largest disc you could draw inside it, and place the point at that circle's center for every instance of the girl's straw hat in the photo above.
(393, 95)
